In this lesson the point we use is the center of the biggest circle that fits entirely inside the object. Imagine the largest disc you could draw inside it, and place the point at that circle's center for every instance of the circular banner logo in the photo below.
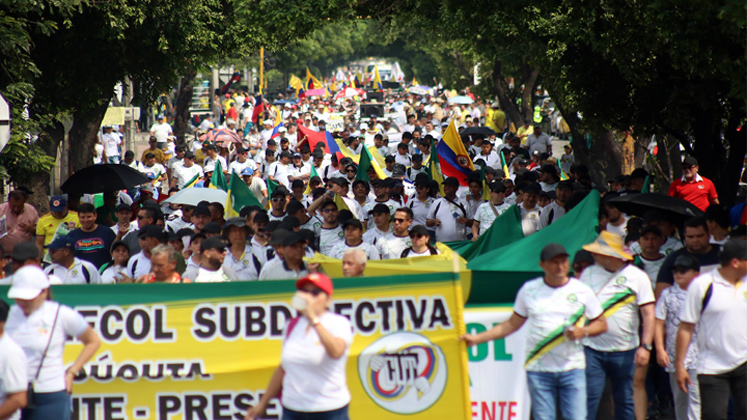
(403, 372)
(463, 161)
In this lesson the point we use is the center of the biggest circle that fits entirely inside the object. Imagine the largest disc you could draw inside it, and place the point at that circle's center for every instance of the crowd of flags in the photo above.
(340, 81)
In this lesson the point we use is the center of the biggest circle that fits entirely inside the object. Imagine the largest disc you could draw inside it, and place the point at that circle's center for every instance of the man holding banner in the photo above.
(556, 306)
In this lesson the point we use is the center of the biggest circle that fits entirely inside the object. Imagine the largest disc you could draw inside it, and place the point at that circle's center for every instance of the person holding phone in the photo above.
(312, 376)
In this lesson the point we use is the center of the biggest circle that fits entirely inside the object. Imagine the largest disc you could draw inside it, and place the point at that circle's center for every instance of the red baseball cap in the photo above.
(319, 280)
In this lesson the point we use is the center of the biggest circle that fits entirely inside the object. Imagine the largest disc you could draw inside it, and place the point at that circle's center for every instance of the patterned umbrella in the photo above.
(221, 136)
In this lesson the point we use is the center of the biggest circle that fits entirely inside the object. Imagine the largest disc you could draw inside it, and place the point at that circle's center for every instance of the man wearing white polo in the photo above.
(624, 290)
(717, 302)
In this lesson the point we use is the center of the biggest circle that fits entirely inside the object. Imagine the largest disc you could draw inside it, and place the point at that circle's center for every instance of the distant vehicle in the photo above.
(385, 70)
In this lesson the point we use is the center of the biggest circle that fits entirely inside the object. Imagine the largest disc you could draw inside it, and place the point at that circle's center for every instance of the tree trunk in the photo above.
(83, 134)
(462, 69)
(38, 182)
(183, 101)
(508, 106)
(526, 96)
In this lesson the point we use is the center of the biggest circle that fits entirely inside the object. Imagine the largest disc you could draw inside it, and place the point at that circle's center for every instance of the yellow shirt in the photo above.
(48, 225)
(489, 119)
(522, 131)
(499, 120)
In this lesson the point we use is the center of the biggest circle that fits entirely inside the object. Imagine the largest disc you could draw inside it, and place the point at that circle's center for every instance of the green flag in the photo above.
(239, 196)
(312, 174)
(646, 185)
(364, 164)
(218, 180)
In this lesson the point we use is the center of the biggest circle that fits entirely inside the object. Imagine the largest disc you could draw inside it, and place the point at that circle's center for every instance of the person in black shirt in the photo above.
(697, 244)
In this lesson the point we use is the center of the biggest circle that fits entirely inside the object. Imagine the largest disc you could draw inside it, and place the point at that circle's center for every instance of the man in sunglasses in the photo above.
(291, 265)
(398, 239)
(381, 188)
(277, 205)
(331, 231)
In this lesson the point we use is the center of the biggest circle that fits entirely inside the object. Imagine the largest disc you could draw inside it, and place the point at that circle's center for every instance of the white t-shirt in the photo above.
(549, 214)
(209, 276)
(328, 238)
(652, 267)
(111, 144)
(313, 380)
(237, 167)
(32, 333)
(722, 334)
(280, 172)
(184, 174)
(530, 219)
(419, 209)
(620, 229)
(486, 216)
(13, 371)
(138, 265)
(276, 269)
(549, 310)
(622, 293)
(75, 274)
(393, 245)
(112, 273)
(218, 158)
(338, 251)
(670, 245)
(243, 266)
(448, 212)
(161, 131)
(393, 205)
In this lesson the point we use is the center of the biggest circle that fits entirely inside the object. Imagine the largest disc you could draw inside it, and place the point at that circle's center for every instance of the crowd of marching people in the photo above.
(311, 200)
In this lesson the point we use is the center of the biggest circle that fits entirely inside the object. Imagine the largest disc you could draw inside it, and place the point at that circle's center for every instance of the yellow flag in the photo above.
(377, 80)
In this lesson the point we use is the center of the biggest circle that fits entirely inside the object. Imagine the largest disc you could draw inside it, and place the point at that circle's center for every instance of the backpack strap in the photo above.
(86, 274)
(707, 297)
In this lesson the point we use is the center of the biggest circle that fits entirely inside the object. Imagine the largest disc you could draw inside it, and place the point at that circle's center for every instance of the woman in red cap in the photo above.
(313, 360)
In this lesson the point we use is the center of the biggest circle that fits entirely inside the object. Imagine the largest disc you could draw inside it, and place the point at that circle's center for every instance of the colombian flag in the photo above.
(276, 130)
(377, 80)
(452, 155)
(357, 80)
(295, 83)
(311, 81)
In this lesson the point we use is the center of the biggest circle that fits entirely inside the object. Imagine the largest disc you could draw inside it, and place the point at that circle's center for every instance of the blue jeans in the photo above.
(339, 414)
(49, 406)
(619, 366)
(114, 159)
(548, 390)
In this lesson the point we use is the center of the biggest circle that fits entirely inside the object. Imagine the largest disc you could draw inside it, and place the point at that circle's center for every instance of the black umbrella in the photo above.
(637, 204)
(102, 178)
(477, 132)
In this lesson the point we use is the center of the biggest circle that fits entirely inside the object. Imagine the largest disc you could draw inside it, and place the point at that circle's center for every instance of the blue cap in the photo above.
(58, 202)
(62, 242)
(247, 172)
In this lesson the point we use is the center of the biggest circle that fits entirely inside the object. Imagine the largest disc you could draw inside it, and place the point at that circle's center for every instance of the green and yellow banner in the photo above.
(207, 351)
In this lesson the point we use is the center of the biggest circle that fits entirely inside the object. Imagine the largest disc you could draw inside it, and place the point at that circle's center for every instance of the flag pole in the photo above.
(261, 68)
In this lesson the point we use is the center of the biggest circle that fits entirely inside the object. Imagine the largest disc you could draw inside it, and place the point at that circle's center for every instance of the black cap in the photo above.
(151, 231)
(686, 261)
(204, 210)
(278, 192)
(451, 181)
(531, 188)
(583, 256)
(419, 229)
(733, 248)
(123, 206)
(285, 153)
(189, 155)
(211, 227)
(292, 221)
(278, 236)
(549, 168)
(234, 221)
(689, 160)
(293, 238)
(212, 243)
(551, 251)
(117, 244)
(354, 223)
(568, 184)
(639, 173)
(307, 234)
(23, 251)
(651, 229)
(380, 208)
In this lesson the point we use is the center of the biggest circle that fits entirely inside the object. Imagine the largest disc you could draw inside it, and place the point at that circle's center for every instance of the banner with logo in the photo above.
(207, 351)
(498, 385)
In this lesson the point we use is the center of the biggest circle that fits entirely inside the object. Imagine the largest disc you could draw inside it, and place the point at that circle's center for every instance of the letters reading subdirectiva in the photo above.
(254, 321)
(230, 321)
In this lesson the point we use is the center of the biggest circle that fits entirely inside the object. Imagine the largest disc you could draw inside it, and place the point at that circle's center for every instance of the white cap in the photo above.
(282, 130)
(364, 126)
(267, 122)
(210, 167)
(28, 282)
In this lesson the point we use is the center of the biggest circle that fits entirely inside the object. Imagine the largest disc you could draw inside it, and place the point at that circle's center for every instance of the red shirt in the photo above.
(701, 192)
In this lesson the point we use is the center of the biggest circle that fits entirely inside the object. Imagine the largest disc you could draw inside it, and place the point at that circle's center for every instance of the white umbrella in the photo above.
(462, 100)
(420, 90)
(350, 92)
(192, 196)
